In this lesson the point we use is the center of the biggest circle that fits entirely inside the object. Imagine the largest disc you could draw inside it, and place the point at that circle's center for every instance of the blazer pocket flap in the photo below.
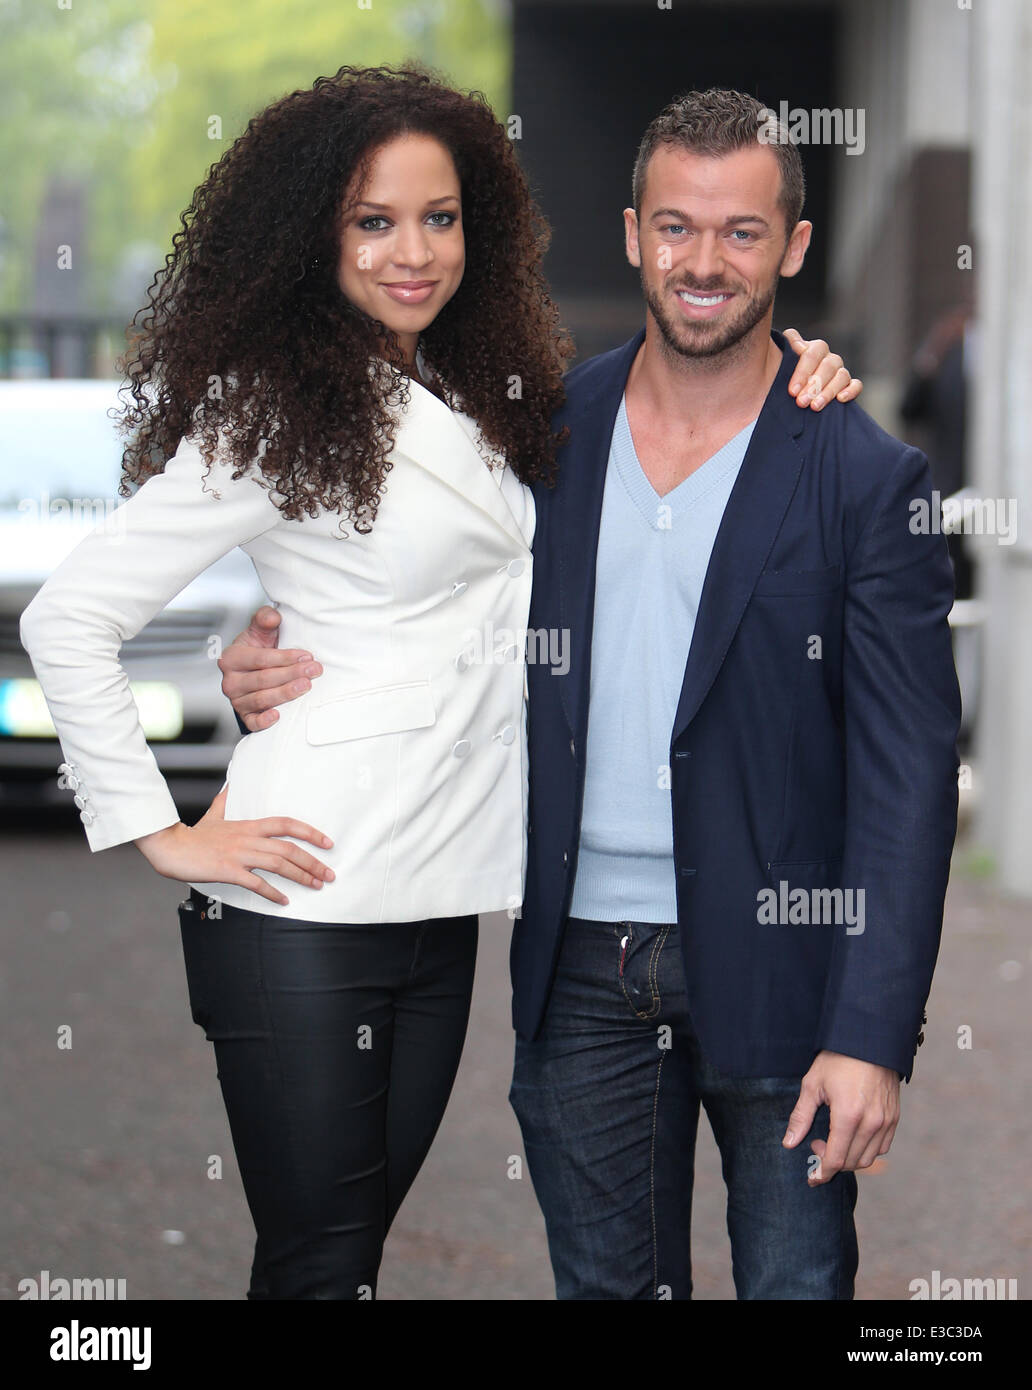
(806, 873)
(789, 582)
(387, 709)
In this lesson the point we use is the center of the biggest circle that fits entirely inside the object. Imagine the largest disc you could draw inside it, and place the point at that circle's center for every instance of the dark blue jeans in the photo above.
(608, 1098)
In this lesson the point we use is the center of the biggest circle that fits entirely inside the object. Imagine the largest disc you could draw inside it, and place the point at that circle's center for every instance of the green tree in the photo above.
(119, 93)
(73, 85)
(228, 61)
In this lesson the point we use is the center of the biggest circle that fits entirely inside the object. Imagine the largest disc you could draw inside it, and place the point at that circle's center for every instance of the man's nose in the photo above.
(705, 258)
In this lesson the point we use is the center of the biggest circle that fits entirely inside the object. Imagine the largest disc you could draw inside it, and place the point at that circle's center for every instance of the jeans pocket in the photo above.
(193, 931)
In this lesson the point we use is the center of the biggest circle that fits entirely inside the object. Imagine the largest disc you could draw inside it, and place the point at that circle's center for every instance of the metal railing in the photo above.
(33, 345)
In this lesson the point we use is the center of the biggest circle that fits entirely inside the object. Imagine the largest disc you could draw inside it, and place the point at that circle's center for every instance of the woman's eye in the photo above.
(448, 216)
(366, 222)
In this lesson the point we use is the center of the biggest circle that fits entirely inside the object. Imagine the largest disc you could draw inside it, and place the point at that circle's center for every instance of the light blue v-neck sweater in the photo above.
(652, 557)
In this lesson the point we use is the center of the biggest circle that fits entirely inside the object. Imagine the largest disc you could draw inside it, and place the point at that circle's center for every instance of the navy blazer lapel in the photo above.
(752, 518)
(576, 516)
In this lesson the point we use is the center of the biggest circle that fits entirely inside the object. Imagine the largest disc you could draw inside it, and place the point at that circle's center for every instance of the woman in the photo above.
(324, 379)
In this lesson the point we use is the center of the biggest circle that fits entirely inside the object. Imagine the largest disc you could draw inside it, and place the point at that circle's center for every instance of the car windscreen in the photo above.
(57, 442)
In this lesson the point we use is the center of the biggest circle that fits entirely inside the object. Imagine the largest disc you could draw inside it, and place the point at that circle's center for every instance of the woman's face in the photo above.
(402, 251)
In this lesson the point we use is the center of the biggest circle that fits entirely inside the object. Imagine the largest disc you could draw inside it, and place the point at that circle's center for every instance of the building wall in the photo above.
(1001, 456)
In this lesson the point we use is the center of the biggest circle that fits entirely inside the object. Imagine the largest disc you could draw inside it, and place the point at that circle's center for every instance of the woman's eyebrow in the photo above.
(387, 207)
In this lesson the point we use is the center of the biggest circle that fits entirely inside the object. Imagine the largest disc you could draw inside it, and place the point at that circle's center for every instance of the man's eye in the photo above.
(741, 232)
(674, 227)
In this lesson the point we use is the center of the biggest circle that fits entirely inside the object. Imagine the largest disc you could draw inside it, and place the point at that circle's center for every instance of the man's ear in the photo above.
(795, 251)
(631, 246)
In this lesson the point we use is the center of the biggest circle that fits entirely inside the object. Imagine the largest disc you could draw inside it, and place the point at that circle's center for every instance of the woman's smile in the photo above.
(409, 291)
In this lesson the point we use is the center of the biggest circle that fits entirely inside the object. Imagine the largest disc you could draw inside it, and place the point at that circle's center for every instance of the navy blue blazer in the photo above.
(814, 765)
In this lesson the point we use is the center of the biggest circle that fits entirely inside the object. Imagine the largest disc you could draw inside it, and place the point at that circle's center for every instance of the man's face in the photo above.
(711, 245)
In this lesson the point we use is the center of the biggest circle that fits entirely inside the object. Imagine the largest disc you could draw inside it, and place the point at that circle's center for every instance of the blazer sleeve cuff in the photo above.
(858, 1037)
(128, 819)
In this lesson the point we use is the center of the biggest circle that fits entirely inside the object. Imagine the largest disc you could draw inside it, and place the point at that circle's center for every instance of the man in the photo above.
(743, 788)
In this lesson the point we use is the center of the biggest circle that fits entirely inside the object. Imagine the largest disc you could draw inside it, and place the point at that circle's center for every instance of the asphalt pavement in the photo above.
(106, 1144)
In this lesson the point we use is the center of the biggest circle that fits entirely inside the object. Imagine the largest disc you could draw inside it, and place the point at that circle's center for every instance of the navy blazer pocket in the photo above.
(790, 582)
(805, 873)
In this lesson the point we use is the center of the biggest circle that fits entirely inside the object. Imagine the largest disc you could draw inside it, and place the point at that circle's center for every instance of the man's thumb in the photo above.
(263, 629)
(801, 1119)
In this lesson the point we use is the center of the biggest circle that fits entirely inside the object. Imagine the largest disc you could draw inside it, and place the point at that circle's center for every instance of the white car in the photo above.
(60, 465)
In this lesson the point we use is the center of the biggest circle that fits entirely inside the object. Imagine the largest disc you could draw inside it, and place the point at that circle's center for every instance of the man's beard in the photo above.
(710, 338)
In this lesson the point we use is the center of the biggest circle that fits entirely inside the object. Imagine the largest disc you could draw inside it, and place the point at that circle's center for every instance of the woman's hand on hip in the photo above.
(216, 850)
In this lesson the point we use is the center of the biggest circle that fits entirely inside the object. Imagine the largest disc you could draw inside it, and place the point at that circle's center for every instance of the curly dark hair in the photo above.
(248, 344)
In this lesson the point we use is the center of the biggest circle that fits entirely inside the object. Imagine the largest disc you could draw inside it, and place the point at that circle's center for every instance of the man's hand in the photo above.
(864, 1104)
(257, 676)
(819, 376)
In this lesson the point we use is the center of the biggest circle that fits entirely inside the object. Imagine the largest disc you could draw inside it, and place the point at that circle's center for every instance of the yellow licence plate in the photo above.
(24, 713)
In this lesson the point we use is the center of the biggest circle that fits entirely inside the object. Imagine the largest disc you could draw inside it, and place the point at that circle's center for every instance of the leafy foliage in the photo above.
(122, 93)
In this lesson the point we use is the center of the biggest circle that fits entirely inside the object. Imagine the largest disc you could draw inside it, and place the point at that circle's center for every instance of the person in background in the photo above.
(936, 399)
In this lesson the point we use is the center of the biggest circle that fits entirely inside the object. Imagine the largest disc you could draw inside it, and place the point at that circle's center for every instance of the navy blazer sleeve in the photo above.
(902, 715)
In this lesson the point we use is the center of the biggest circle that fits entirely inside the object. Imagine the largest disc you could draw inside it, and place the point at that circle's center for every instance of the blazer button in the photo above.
(463, 662)
(86, 817)
(458, 588)
(461, 748)
(80, 801)
(507, 734)
(71, 782)
(513, 569)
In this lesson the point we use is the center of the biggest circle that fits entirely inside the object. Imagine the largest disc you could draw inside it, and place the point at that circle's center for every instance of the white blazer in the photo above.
(409, 751)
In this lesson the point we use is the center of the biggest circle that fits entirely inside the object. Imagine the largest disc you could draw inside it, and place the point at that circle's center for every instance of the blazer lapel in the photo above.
(751, 521)
(576, 518)
(442, 441)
